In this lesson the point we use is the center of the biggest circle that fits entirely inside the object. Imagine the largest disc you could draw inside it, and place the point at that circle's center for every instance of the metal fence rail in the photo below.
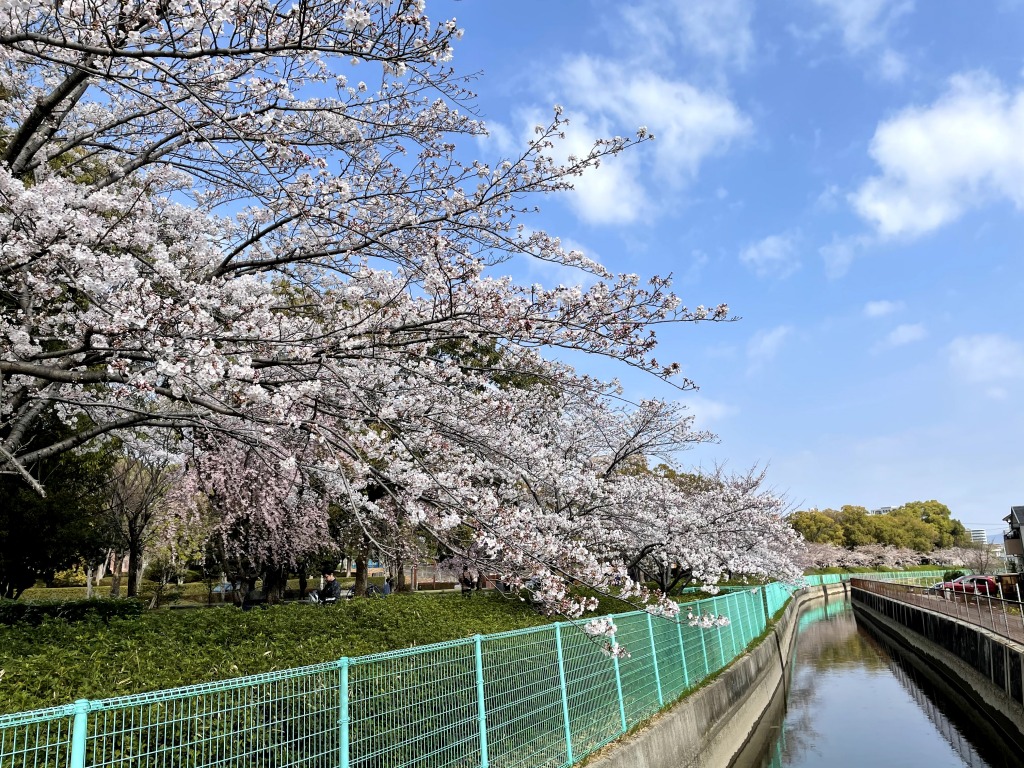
(546, 696)
(1002, 615)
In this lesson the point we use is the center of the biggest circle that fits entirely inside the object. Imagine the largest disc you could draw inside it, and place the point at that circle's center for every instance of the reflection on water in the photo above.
(855, 701)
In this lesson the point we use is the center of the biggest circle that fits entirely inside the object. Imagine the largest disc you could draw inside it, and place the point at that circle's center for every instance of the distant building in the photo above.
(1011, 538)
(882, 510)
(978, 536)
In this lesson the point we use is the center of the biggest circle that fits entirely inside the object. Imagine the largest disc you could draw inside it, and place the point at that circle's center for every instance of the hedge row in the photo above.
(34, 612)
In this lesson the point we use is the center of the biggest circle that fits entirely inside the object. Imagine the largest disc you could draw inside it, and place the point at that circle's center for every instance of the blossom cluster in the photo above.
(249, 224)
(706, 620)
(603, 627)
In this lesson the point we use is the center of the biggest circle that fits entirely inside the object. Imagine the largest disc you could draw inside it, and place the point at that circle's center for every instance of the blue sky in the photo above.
(848, 175)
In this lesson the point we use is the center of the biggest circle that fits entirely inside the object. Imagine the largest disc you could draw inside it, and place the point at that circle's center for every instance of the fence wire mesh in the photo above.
(533, 698)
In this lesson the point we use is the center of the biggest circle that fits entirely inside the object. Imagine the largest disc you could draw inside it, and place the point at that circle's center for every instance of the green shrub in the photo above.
(34, 613)
(950, 575)
(427, 586)
(73, 577)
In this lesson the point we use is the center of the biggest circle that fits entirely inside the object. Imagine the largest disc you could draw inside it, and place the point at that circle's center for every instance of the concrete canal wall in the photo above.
(985, 669)
(711, 726)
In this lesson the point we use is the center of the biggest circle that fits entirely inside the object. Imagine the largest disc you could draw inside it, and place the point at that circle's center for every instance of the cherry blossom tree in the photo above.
(269, 516)
(979, 559)
(255, 224)
(705, 528)
(136, 495)
(818, 555)
(204, 213)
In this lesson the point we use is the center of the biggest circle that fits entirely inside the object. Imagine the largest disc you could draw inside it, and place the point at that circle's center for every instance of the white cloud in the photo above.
(636, 84)
(707, 411)
(774, 256)
(892, 66)
(902, 335)
(882, 308)
(940, 160)
(840, 253)
(865, 27)
(765, 345)
(691, 124)
(501, 138)
(992, 361)
(605, 98)
(719, 30)
(829, 197)
(864, 23)
(611, 193)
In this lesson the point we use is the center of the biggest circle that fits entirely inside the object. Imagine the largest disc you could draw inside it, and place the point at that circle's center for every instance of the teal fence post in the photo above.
(750, 612)
(764, 600)
(732, 638)
(618, 683)
(756, 620)
(343, 720)
(738, 597)
(79, 734)
(721, 642)
(654, 655)
(565, 694)
(480, 708)
(704, 651)
(682, 654)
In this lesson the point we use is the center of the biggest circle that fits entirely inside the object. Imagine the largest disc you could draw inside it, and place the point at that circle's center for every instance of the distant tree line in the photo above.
(922, 526)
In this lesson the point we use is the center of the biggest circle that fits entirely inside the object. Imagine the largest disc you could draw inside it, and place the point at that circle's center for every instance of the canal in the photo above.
(852, 699)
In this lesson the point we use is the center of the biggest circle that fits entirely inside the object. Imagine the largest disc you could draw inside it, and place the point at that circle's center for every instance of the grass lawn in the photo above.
(58, 662)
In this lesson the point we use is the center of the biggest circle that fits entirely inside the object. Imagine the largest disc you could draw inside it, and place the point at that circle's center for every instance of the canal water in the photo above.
(853, 700)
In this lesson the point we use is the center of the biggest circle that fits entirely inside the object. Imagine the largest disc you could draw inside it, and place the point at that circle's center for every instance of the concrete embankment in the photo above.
(981, 669)
(711, 726)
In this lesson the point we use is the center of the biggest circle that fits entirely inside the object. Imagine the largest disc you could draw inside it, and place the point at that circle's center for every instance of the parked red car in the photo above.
(970, 585)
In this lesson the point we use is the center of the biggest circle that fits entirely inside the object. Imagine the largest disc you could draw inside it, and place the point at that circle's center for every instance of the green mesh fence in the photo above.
(546, 696)
(903, 577)
(41, 737)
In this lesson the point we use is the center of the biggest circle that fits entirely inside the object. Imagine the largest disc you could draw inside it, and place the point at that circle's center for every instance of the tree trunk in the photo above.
(274, 582)
(19, 589)
(89, 571)
(115, 574)
(134, 569)
(245, 595)
(682, 575)
(362, 568)
(303, 582)
(158, 593)
(665, 579)
(359, 588)
(400, 582)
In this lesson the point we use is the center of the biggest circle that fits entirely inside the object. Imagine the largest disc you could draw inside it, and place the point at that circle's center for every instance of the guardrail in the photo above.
(1002, 614)
(545, 696)
(897, 577)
